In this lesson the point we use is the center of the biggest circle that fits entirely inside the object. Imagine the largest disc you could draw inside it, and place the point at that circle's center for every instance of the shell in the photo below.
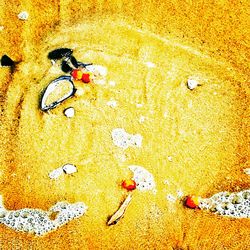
(120, 212)
(69, 169)
(23, 15)
(192, 84)
(69, 112)
(60, 53)
(61, 82)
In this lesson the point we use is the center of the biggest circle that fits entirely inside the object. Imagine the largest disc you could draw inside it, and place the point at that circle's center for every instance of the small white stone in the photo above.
(112, 103)
(112, 83)
(192, 84)
(69, 112)
(56, 173)
(23, 15)
(247, 171)
(150, 64)
(69, 169)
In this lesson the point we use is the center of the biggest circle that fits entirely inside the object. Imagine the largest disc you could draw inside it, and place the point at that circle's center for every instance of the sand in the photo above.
(195, 141)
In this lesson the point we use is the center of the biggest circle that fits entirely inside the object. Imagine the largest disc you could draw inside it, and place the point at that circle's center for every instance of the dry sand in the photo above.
(204, 131)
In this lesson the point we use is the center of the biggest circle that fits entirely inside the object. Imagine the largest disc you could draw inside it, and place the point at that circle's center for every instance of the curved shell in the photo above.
(56, 92)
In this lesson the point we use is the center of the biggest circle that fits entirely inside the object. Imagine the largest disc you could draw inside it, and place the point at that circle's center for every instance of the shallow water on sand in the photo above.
(191, 139)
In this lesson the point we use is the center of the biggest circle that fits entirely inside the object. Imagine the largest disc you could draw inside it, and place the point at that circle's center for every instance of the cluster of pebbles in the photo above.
(228, 204)
(39, 222)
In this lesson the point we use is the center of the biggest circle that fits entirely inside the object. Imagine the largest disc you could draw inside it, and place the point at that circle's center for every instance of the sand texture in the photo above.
(193, 142)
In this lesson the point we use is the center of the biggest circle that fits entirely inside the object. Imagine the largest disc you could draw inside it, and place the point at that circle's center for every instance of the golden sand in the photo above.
(193, 141)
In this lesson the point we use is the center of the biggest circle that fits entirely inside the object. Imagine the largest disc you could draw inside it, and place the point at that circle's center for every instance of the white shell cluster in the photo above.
(67, 169)
(23, 15)
(38, 221)
(124, 140)
(143, 178)
(228, 204)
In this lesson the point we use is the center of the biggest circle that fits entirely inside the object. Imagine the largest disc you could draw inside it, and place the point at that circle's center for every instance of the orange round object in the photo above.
(129, 185)
(192, 201)
(85, 77)
(77, 74)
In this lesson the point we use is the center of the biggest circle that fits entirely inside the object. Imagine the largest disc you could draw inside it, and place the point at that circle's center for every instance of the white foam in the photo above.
(38, 221)
(143, 178)
(124, 140)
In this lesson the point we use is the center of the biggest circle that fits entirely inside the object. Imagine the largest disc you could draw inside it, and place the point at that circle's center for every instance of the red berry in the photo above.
(85, 78)
(129, 185)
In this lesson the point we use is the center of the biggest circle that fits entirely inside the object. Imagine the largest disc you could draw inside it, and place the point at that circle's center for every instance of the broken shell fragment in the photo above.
(56, 92)
(120, 212)
(69, 169)
(69, 112)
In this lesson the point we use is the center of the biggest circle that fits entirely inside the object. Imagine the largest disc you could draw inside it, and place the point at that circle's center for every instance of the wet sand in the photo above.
(204, 131)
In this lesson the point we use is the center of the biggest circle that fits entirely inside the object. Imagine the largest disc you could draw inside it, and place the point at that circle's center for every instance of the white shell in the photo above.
(69, 112)
(56, 173)
(192, 84)
(143, 178)
(23, 15)
(69, 169)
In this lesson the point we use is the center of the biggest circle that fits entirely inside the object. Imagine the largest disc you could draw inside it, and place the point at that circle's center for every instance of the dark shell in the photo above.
(84, 64)
(65, 67)
(51, 87)
(74, 61)
(6, 61)
(60, 53)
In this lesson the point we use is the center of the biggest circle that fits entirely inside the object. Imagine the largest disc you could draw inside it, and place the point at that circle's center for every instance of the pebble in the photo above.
(170, 158)
(69, 169)
(56, 173)
(69, 112)
(192, 84)
(23, 15)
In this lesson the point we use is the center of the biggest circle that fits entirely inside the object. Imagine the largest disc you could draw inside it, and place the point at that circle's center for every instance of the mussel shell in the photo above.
(65, 67)
(6, 61)
(58, 54)
(51, 87)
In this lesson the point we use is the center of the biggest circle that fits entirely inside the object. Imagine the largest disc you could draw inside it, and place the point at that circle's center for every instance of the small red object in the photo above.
(192, 201)
(129, 185)
(76, 74)
(86, 78)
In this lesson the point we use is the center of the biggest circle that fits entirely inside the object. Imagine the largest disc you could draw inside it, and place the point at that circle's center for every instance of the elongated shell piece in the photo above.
(120, 212)
(56, 92)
